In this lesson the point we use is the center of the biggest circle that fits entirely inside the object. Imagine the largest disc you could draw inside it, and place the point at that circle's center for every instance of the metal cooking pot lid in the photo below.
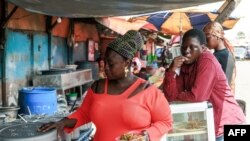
(26, 132)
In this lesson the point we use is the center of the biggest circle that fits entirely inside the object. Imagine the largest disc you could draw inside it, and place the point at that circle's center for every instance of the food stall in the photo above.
(192, 122)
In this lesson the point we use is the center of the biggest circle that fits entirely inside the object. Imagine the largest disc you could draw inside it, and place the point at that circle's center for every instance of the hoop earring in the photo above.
(126, 71)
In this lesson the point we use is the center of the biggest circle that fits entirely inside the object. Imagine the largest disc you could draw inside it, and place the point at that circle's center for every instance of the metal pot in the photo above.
(89, 65)
(26, 132)
(8, 113)
(2, 118)
(54, 71)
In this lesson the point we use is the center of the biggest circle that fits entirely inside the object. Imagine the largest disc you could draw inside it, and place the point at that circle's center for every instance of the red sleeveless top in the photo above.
(114, 115)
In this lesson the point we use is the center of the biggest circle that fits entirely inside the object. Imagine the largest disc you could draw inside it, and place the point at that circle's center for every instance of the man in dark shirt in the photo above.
(223, 50)
(227, 62)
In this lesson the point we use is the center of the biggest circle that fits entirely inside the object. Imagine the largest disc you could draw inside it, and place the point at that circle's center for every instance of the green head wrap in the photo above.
(128, 44)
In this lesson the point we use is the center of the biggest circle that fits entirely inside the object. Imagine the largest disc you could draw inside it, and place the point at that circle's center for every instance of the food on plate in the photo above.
(132, 137)
(194, 124)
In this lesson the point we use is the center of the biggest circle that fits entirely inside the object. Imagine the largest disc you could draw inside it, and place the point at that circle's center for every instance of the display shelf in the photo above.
(65, 81)
(205, 112)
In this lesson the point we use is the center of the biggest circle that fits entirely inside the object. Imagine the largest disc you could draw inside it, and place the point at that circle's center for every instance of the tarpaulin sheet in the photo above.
(101, 8)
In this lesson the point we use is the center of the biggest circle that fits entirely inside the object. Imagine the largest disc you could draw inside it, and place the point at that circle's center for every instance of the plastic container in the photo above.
(38, 100)
(71, 96)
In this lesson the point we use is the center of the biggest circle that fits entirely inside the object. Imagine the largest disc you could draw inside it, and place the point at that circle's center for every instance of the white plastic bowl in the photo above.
(73, 67)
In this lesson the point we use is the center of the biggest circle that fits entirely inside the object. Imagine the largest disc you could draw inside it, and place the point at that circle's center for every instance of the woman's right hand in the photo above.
(51, 125)
(59, 126)
(177, 63)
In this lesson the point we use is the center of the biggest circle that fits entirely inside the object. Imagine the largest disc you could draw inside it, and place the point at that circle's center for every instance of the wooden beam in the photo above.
(226, 9)
(5, 21)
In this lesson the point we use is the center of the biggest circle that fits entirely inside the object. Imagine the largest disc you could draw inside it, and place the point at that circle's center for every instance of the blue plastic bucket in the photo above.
(38, 100)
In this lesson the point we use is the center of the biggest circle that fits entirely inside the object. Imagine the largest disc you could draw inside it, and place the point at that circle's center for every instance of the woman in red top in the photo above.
(122, 102)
